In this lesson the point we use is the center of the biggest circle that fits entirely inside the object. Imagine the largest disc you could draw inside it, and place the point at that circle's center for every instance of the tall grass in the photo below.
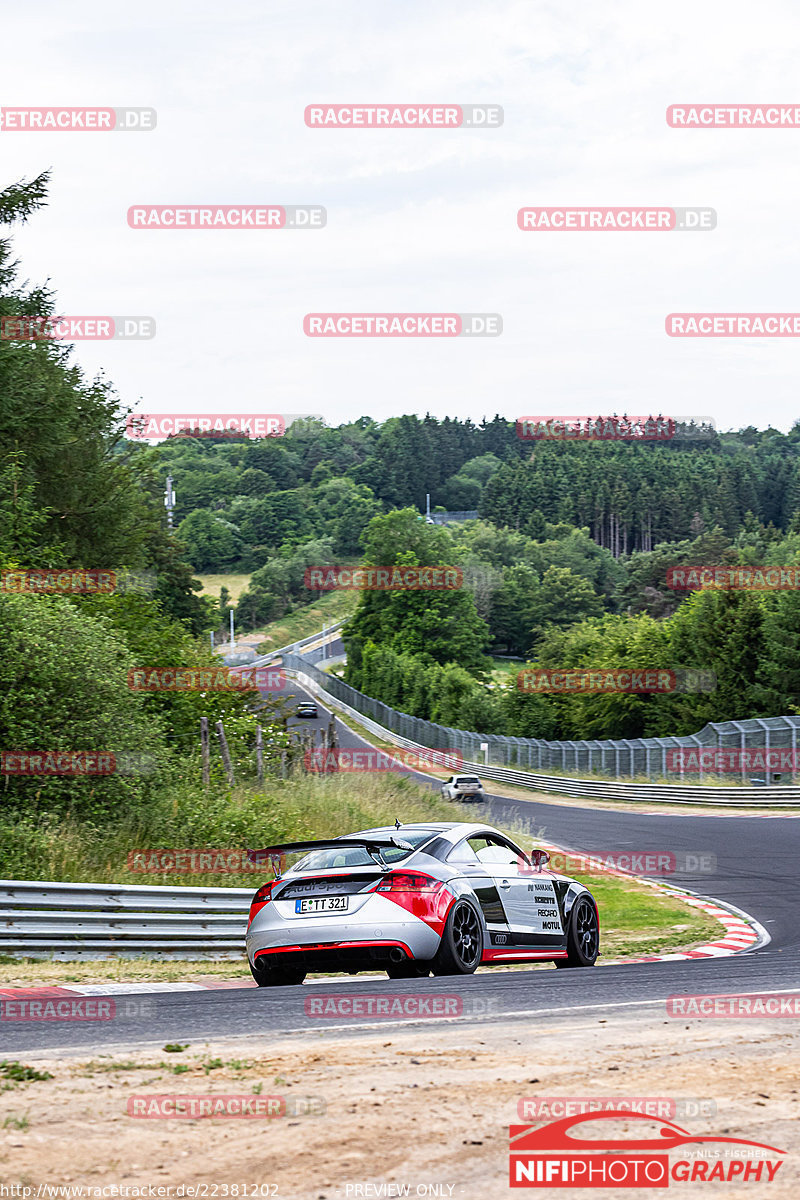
(188, 817)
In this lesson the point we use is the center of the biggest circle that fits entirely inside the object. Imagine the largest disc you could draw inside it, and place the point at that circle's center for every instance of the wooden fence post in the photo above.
(226, 758)
(205, 751)
(259, 754)
(332, 747)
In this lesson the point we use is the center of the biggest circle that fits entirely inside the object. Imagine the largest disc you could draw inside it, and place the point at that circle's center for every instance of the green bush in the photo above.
(63, 687)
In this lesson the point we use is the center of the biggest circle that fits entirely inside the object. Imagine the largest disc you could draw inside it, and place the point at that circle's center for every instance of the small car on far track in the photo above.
(463, 787)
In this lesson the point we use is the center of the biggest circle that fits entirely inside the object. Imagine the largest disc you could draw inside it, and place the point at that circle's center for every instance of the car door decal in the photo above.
(532, 909)
(489, 899)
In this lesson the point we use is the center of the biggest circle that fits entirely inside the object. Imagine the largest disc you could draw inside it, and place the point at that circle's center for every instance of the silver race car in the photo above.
(412, 899)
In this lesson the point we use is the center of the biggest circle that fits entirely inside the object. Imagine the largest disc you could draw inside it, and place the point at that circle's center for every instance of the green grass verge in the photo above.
(236, 584)
(302, 806)
(330, 608)
(503, 669)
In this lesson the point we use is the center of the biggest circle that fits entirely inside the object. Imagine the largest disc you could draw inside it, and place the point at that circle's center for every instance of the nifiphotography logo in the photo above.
(656, 1155)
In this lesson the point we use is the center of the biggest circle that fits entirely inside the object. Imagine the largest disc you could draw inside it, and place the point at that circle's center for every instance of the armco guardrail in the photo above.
(602, 789)
(94, 920)
(599, 789)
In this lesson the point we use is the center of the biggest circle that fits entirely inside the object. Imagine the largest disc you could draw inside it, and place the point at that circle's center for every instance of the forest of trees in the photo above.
(574, 541)
(240, 501)
(566, 566)
(74, 494)
(427, 653)
(633, 496)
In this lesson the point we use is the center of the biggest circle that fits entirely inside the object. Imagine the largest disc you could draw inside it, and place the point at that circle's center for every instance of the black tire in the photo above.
(409, 970)
(583, 935)
(460, 949)
(277, 976)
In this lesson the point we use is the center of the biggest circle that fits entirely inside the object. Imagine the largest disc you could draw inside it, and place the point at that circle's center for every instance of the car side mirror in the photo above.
(539, 859)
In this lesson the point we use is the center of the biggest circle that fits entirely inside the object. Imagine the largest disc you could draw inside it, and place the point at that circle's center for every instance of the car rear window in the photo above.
(356, 856)
(469, 779)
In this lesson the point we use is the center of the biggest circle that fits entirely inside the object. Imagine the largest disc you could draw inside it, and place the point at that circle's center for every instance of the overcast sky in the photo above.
(418, 220)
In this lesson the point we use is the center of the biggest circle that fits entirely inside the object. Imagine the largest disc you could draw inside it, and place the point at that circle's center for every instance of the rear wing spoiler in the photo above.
(372, 845)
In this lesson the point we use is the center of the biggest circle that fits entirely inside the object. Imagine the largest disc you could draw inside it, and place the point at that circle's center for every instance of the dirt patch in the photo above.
(420, 1106)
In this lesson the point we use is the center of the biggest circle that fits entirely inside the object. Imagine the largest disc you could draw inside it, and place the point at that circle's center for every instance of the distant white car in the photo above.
(463, 787)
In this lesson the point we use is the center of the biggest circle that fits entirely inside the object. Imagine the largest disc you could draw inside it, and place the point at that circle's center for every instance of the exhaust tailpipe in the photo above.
(396, 955)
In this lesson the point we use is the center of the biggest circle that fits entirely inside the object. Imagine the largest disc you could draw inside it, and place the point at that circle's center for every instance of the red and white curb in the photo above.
(742, 932)
(116, 989)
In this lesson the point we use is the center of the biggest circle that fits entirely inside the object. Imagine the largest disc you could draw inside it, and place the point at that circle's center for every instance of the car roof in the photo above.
(454, 831)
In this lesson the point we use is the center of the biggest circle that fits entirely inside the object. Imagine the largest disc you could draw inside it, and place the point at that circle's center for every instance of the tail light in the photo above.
(407, 881)
(262, 897)
(421, 895)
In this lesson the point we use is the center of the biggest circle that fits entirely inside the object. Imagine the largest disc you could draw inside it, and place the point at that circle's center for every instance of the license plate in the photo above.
(322, 904)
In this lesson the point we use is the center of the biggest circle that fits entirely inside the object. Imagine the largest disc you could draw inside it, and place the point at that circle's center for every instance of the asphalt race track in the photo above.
(756, 870)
